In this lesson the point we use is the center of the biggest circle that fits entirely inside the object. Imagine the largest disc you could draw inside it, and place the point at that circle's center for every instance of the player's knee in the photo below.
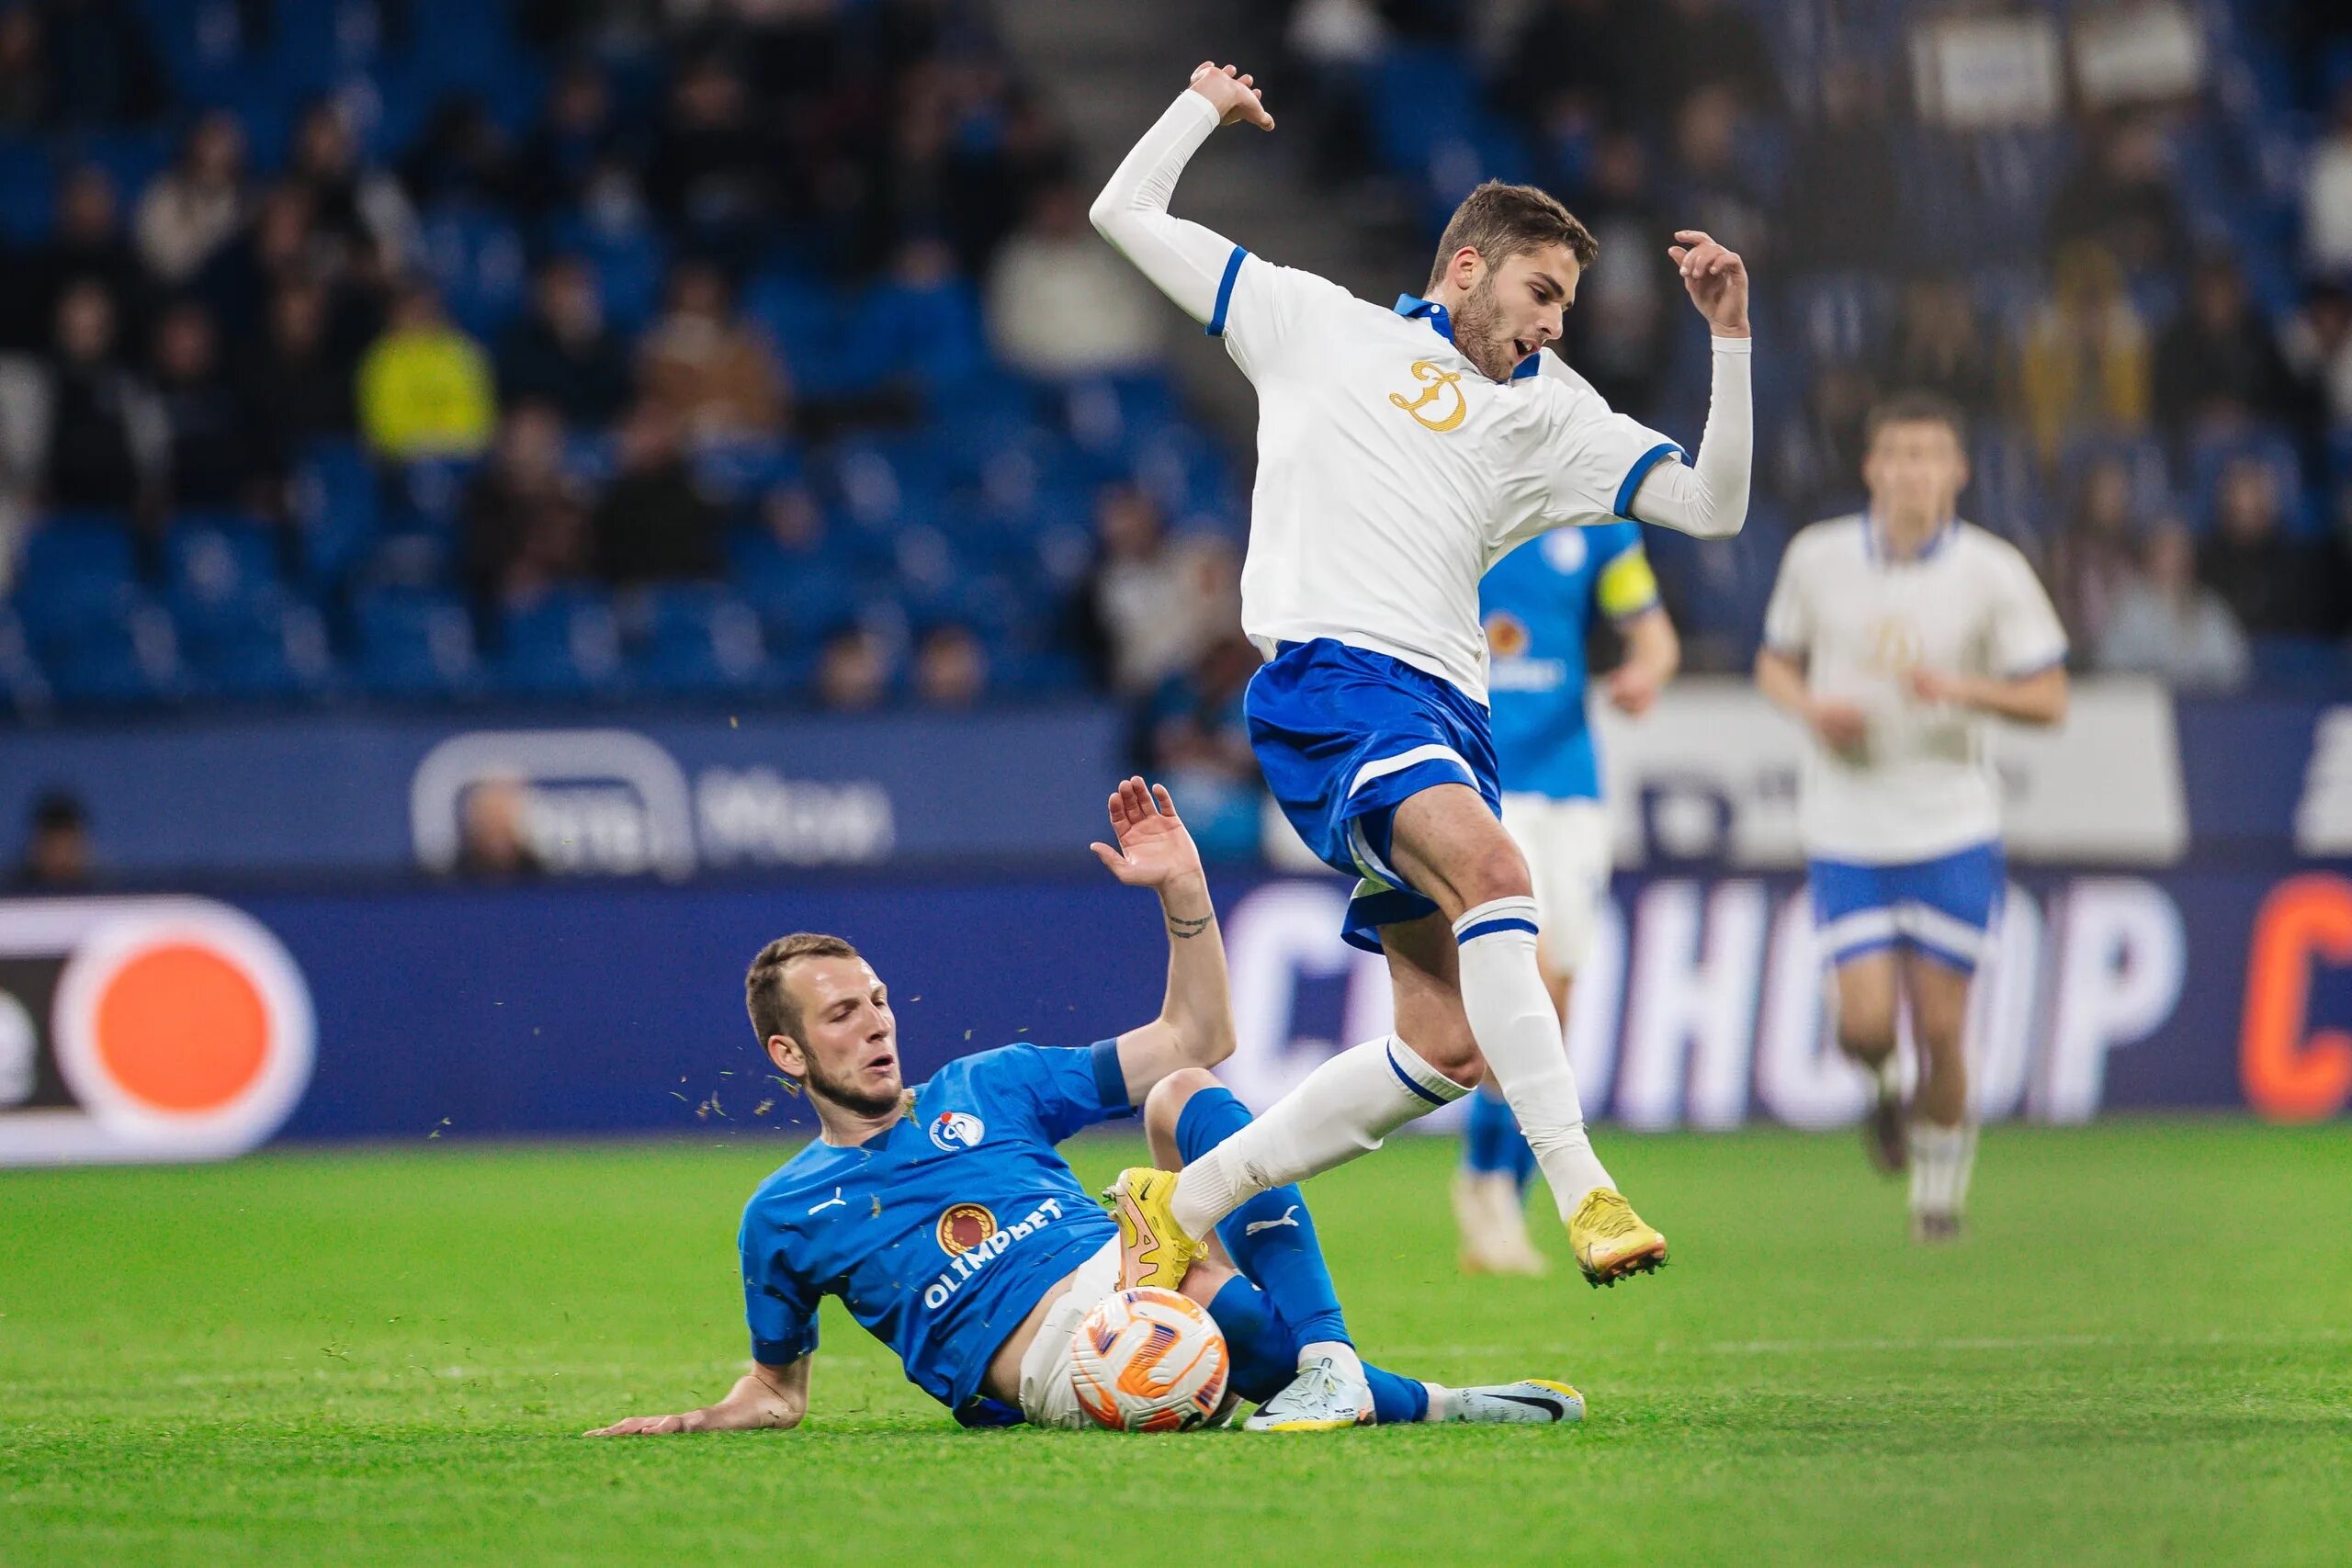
(1495, 871)
(1453, 1051)
(1164, 1107)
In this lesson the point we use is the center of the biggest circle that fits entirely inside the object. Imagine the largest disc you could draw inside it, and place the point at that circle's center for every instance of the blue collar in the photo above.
(1875, 551)
(1413, 307)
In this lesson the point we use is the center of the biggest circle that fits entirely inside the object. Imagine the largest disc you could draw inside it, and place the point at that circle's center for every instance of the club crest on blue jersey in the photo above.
(965, 1226)
(954, 1130)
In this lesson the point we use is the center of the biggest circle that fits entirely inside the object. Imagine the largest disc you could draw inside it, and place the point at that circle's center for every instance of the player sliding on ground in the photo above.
(949, 1227)
(1893, 635)
(1400, 453)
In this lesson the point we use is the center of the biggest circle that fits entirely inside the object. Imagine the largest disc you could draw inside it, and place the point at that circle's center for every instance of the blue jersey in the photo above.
(1537, 603)
(941, 1234)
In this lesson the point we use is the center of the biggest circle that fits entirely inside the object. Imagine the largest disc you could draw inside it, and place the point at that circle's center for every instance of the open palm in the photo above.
(1153, 848)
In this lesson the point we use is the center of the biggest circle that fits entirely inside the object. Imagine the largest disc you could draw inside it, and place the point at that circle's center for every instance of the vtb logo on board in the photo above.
(145, 1029)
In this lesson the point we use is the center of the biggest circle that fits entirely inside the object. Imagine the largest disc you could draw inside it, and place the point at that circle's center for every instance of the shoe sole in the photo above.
(1648, 1261)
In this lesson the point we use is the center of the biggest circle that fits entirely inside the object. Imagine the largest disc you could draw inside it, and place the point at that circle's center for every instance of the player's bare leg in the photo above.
(1868, 1001)
(1468, 980)
(1943, 1138)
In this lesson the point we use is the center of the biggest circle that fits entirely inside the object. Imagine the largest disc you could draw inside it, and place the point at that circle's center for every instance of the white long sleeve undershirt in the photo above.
(1182, 259)
(1186, 260)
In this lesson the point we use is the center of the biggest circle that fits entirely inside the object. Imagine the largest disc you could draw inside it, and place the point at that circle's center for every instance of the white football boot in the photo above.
(1537, 1402)
(1323, 1398)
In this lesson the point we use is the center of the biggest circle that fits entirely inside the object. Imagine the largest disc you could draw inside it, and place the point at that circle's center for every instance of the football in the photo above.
(1150, 1361)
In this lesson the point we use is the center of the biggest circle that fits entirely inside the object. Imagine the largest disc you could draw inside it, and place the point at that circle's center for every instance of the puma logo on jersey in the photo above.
(1289, 1218)
(835, 1201)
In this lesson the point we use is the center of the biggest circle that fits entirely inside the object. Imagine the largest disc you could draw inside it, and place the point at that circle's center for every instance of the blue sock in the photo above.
(1265, 1356)
(1272, 1237)
(1493, 1140)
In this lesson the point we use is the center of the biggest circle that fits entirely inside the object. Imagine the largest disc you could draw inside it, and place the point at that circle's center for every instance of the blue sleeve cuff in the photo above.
(1225, 293)
(1640, 471)
(1110, 1080)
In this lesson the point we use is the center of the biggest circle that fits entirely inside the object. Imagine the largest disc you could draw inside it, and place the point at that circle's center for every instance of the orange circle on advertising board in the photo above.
(182, 1028)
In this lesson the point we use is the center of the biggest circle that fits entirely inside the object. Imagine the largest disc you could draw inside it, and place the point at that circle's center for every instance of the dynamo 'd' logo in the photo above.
(954, 1130)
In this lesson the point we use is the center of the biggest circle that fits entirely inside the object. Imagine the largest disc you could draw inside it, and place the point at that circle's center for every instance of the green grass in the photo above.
(2142, 1353)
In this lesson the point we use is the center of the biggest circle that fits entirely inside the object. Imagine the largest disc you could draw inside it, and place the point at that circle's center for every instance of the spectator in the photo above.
(575, 138)
(101, 66)
(653, 524)
(1062, 304)
(2318, 346)
(494, 833)
(1197, 738)
(1711, 189)
(2120, 200)
(1689, 46)
(277, 247)
(525, 521)
(706, 367)
(951, 669)
(2084, 366)
(1846, 198)
(1138, 605)
(425, 387)
(2094, 560)
(57, 849)
(25, 89)
(193, 208)
(561, 353)
(462, 156)
(2327, 197)
(2272, 583)
(87, 246)
(358, 208)
(2169, 625)
(296, 390)
(210, 454)
(714, 169)
(853, 671)
(1577, 50)
(103, 425)
(1941, 344)
(2217, 364)
(1617, 331)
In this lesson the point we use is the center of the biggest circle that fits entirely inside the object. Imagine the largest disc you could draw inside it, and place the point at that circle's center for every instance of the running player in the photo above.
(1538, 601)
(954, 1231)
(1893, 636)
(1400, 453)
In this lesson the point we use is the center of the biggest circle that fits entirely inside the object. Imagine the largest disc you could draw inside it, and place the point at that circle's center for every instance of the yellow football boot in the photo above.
(1609, 1239)
(1153, 1249)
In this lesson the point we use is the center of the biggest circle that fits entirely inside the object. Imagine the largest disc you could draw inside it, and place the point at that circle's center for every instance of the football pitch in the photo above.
(2142, 1352)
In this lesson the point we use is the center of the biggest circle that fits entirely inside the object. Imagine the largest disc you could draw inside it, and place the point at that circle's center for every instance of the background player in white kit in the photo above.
(1401, 453)
(1893, 635)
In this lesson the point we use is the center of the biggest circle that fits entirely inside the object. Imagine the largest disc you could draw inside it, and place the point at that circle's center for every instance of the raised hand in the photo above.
(1715, 279)
(1234, 95)
(1154, 849)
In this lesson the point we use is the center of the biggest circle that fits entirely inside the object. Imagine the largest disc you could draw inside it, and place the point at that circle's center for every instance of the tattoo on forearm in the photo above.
(1180, 926)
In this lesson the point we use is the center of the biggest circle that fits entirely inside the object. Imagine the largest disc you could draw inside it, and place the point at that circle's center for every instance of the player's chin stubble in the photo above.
(1478, 332)
(850, 1097)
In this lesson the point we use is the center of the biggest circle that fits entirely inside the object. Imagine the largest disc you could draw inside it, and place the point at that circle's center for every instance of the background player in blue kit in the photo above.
(1538, 604)
(951, 1230)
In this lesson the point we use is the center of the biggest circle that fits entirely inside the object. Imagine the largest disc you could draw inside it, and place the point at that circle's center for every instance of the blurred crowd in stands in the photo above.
(440, 350)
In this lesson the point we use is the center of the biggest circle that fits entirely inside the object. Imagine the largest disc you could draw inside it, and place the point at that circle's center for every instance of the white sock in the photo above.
(1339, 1352)
(1941, 1161)
(1888, 1076)
(1441, 1402)
(1519, 1034)
(1342, 1109)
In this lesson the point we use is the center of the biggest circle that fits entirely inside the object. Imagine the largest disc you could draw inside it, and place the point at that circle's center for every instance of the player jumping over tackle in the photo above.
(1400, 454)
(1893, 637)
(949, 1227)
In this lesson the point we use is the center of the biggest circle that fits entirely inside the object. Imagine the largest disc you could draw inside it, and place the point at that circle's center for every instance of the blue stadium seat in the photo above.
(261, 644)
(338, 502)
(566, 644)
(476, 259)
(734, 472)
(209, 564)
(72, 574)
(23, 690)
(803, 318)
(892, 330)
(414, 643)
(628, 264)
(695, 639)
(129, 658)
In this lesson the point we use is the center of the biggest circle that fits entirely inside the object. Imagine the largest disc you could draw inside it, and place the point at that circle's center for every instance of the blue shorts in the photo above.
(1942, 908)
(1345, 736)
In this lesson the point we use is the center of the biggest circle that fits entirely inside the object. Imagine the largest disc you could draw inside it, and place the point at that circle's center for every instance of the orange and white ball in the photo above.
(1150, 1361)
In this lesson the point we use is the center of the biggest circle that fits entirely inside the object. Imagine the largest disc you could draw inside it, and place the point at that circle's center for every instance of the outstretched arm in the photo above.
(1184, 259)
(766, 1397)
(1710, 497)
(1195, 1028)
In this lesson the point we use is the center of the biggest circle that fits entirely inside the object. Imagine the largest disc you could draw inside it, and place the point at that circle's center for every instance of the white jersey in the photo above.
(1392, 473)
(1921, 782)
